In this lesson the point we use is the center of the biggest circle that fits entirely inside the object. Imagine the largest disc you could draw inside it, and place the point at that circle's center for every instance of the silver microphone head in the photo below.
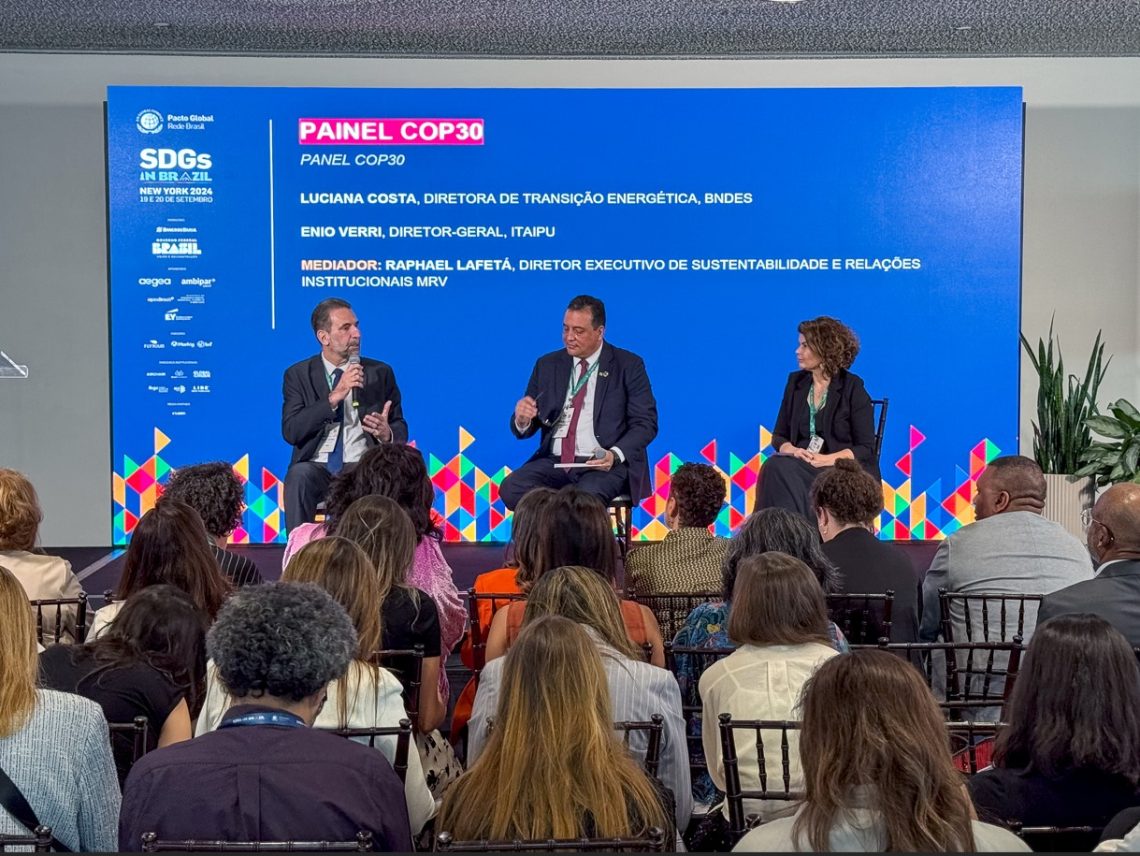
(599, 454)
(354, 360)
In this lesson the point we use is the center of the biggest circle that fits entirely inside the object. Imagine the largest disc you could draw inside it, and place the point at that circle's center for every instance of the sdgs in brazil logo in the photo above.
(149, 121)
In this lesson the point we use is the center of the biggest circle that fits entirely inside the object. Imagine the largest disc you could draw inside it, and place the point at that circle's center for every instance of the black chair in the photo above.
(56, 625)
(409, 661)
(498, 600)
(1057, 839)
(671, 609)
(965, 737)
(734, 793)
(39, 841)
(362, 844)
(652, 842)
(880, 424)
(863, 618)
(653, 731)
(687, 664)
(976, 674)
(981, 611)
(621, 510)
(402, 733)
(136, 731)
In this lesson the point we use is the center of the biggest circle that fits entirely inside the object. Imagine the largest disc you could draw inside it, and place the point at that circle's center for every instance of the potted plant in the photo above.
(1062, 434)
(1115, 459)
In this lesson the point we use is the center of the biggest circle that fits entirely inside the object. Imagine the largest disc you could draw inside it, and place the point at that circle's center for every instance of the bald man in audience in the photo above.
(1011, 549)
(1113, 538)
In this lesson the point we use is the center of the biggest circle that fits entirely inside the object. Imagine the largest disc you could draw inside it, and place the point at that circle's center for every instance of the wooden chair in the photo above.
(863, 618)
(136, 731)
(734, 793)
(479, 644)
(880, 424)
(56, 625)
(152, 844)
(672, 608)
(1057, 839)
(39, 841)
(652, 842)
(965, 738)
(621, 511)
(653, 733)
(986, 617)
(411, 662)
(687, 664)
(402, 733)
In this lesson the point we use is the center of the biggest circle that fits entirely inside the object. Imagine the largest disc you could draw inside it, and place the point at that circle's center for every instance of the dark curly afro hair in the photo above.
(849, 492)
(213, 491)
(699, 491)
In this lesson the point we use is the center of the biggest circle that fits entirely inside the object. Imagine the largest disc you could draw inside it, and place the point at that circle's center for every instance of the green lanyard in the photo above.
(813, 410)
(576, 385)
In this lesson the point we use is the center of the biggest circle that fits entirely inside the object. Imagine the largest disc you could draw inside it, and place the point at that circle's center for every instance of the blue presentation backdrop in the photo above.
(459, 222)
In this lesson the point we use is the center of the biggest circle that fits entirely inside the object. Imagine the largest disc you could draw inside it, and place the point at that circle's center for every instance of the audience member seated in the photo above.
(169, 545)
(365, 696)
(150, 661)
(1071, 753)
(218, 496)
(554, 766)
(689, 558)
(1113, 537)
(575, 529)
(1010, 549)
(779, 620)
(637, 689)
(847, 502)
(53, 745)
(877, 769)
(42, 577)
(265, 775)
(514, 578)
(398, 472)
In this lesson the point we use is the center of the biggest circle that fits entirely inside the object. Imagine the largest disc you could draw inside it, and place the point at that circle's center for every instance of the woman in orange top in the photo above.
(574, 529)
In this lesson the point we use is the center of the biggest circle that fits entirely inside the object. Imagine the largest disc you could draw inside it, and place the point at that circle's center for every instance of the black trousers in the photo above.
(604, 484)
(785, 482)
(306, 486)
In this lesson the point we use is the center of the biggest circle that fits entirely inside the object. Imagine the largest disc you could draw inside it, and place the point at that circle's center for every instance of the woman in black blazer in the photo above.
(826, 414)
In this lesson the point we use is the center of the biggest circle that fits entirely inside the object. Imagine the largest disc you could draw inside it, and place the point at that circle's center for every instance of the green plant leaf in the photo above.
(1108, 426)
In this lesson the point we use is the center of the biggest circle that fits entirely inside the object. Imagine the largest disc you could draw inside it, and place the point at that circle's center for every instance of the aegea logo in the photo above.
(174, 158)
(154, 281)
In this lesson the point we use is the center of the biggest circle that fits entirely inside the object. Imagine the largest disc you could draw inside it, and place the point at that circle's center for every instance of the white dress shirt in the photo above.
(585, 440)
(355, 439)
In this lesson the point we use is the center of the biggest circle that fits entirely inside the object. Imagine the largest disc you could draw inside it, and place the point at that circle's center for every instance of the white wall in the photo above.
(1081, 242)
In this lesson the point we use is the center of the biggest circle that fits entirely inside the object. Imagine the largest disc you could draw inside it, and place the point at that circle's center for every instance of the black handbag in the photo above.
(13, 800)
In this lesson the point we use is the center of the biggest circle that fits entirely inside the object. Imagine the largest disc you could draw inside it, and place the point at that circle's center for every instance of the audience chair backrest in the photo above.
(410, 661)
(653, 731)
(402, 733)
(50, 623)
(478, 643)
(672, 608)
(986, 617)
(652, 842)
(136, 730)
(863, 618)
(1057, 839)
(880, 424)
(687, 664)
(38, 842)
(734, 794)
(152, 844)
(965, 739)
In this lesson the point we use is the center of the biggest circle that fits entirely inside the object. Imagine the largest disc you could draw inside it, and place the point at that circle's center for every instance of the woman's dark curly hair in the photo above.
(213, 491)
(848, 492)
(833, 342)
(392, 470)
(286, 640)
(699, 490)
(781, 531)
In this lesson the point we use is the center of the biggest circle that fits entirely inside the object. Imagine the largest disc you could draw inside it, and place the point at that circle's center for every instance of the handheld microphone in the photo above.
(599, 454)
(353, 360)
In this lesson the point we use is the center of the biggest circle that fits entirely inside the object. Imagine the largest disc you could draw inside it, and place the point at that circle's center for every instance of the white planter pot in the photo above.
(1065, 500)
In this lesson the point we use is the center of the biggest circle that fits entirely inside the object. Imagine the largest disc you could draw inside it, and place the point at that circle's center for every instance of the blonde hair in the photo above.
(342, 569)
(581, 595)
(20, 513)
(553, 762)
(18, 660)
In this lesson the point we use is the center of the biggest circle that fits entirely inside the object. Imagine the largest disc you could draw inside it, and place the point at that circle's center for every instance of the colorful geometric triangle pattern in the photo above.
(469, 508)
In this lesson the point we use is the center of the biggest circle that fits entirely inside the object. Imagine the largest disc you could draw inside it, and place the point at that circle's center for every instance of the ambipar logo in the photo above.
(149, 121)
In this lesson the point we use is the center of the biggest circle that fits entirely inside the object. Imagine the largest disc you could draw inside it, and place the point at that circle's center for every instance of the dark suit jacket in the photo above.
(264, 783)
(1113, 594)
(625, 411)
(847, 421)
(306, 411)
(871, 566)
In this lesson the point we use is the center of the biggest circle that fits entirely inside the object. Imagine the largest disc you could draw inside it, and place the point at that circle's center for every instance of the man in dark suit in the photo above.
(1113, 539)
(593, 404)
(336, 406)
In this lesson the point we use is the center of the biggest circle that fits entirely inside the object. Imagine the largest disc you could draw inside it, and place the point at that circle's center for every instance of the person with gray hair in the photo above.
(265, 774)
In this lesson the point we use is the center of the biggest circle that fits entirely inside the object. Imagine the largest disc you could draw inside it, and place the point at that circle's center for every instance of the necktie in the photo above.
(568, 442)
(336, 456)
